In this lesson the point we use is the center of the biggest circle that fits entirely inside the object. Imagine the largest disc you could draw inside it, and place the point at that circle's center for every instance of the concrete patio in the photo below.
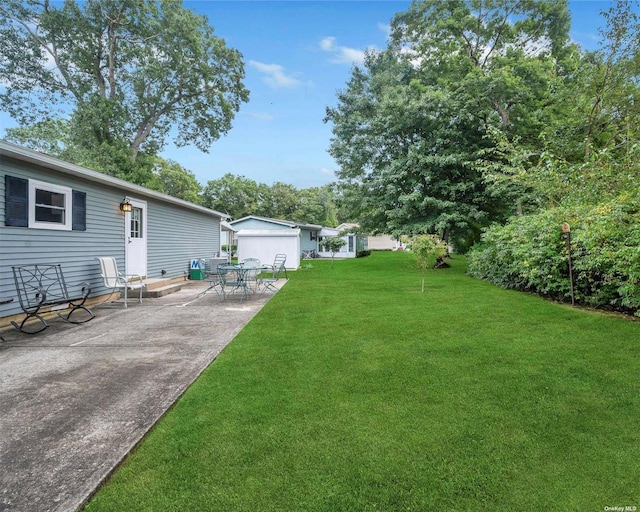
(75, 399)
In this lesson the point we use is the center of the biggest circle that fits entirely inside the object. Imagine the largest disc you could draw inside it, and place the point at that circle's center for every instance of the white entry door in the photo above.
(136, 238)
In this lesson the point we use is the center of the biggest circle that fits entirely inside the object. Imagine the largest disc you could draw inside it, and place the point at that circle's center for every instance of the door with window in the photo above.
(136, 238)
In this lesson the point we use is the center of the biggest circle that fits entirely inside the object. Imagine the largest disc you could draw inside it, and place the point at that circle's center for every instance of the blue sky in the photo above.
(297, 54)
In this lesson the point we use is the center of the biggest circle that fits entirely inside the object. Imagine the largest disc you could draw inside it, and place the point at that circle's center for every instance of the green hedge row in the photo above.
(530, 254)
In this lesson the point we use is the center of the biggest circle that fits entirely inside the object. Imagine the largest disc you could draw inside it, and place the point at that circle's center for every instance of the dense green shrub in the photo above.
(526, 254)
(529, 254)
(363, 254)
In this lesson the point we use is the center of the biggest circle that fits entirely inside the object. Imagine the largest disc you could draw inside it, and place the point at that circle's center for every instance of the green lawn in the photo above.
(352, 390)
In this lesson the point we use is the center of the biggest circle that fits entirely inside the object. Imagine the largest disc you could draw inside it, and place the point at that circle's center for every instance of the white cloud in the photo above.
(274, 75)
(328, 44)
(342, 54)
(386, 28)
(263, 116)
(327, 172)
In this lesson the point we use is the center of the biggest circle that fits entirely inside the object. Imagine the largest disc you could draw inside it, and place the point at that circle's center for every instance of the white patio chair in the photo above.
(116, 281)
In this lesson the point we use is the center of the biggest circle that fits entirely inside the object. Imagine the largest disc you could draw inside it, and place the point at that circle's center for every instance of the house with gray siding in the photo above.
(53, 211)
(308, 232)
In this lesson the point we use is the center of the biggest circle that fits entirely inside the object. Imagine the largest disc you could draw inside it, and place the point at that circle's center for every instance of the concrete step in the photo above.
(161, 291)
(161, 286)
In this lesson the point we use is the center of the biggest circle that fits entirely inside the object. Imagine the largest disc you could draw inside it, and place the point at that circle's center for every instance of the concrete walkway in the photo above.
(75, 399)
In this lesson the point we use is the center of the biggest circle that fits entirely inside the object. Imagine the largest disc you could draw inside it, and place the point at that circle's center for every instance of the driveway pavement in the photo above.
(75, 399)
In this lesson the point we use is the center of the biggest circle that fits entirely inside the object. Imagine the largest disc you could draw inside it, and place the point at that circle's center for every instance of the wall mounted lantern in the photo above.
(125, 205)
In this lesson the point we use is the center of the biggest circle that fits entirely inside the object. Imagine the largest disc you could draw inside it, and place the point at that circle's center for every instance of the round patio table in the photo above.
(241, 277)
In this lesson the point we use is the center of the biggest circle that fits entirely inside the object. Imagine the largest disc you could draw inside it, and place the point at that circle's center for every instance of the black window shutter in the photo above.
(16, 201)
(79, 211)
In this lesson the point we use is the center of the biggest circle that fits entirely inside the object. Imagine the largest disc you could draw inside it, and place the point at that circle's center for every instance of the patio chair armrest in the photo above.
(137, 279)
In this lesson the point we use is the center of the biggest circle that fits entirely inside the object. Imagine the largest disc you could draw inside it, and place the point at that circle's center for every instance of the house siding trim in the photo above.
(10, 150)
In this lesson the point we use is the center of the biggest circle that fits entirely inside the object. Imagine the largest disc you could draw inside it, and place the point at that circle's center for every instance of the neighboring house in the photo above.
(384, 243)
(308, 238)
(354, 242)
(53, 211)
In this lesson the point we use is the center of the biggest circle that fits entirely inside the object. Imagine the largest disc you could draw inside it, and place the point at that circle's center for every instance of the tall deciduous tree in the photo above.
(315, 206)
(614, 112)
(591, 155)
(280, 200)
(410, 125)
(122, 72)
(497, 56)
(236, 196)
(586, 175)
(177, 181)
(240, 196)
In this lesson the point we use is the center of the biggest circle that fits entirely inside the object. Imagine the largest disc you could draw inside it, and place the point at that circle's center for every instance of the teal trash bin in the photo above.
(196, 271)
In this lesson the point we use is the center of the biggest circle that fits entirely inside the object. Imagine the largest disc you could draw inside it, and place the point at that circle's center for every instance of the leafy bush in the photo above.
(363, 254)
(530, 254)
(526, 254)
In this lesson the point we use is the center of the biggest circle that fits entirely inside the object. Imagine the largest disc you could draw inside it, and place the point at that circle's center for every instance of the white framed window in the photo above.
(49, 206)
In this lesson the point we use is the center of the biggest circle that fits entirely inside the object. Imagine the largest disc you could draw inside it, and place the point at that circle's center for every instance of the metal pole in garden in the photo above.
(566, 229)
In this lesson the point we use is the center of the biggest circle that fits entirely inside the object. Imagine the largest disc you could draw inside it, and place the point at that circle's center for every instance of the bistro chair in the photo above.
(269, 283)
(278, 264)
(251, 262)
(251, 267)
(114, 280)
(232, 279)
(213, 276)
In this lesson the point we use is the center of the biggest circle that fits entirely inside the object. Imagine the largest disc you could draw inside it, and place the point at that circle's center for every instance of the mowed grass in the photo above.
(352, 390)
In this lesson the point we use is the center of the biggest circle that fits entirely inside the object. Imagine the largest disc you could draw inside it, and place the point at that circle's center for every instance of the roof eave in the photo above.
(35, 157)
